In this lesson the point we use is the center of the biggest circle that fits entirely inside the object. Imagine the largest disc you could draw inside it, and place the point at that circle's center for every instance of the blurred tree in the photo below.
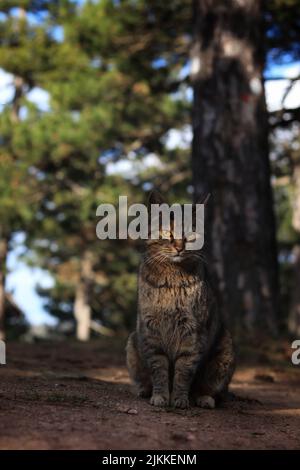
(112, 99)
(285, 163)
(294, 311)
(282, 40)
(283, 46)
(24, 53)
(230, 158)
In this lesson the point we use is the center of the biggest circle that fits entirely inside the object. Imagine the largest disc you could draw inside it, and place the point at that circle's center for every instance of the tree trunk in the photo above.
(18, 81)
(294, 316)
(296, 195)
(16, 102)
(230, 159)
(3, 257)
(82, 309)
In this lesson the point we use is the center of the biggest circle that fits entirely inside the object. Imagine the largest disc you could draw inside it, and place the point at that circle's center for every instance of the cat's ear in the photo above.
(204, 199)
(155, 198)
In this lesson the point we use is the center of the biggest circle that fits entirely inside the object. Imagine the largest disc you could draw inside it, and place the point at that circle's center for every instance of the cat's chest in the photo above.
(169, 312)
(168, 300)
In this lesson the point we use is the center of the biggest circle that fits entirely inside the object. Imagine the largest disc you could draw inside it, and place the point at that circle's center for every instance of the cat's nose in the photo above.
(178, 244)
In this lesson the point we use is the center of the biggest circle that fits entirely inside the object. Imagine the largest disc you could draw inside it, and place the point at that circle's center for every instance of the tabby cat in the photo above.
(181, 349)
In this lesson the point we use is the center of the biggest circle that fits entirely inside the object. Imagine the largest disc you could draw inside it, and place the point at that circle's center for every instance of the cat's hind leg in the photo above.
(139, 374)
(212, 381)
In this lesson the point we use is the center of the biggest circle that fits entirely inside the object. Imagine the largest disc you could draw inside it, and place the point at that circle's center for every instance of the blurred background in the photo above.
(103, 98)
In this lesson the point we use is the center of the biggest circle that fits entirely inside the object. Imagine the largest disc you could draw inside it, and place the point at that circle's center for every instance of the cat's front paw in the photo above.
(143, 392)
(206, 402)
(159, 400)
(180, 402)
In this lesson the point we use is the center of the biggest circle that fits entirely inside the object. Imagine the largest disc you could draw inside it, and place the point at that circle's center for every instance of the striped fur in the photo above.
(181, 350)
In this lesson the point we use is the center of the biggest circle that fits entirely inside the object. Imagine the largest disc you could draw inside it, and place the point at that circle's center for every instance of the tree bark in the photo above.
(16, 102)
(18, 81)
(3, 257)
(82, 309)
(294, 316)
(230, 159)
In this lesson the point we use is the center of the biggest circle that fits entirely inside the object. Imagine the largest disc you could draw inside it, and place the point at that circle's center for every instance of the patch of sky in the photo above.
(131, 167)
(6, 88)
(37, 95)
(275, 89)
(40, 175)
(274, 66)
(110, 155)
(36, 18)
(57, 32)
(134, 164)
(40, 98)
(183, 93)
(159, 63)
(178, 138)
(185, 71)
(23, 113)
(75, 116)
(147, 186)
(22, 280)
(96, 62)
(78, 2)
(15, 11)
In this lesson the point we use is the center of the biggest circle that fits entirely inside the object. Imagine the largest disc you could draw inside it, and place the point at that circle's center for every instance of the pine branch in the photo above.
(281, 77)
(277, 118)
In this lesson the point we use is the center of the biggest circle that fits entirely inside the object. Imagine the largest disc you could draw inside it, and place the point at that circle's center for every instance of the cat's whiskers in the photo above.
(154, 258)
(200, 256)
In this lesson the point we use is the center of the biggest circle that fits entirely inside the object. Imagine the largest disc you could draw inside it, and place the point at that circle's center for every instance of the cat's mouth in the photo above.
(177, 258)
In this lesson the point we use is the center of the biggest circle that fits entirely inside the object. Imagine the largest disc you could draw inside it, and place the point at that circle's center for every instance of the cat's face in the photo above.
(173, 250)
(169, 248)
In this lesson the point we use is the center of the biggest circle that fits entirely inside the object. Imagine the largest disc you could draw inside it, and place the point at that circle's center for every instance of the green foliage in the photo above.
(111, 77)
(283, 23)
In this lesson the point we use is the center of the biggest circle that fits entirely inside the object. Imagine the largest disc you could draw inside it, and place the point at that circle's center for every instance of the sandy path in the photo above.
(70, 396)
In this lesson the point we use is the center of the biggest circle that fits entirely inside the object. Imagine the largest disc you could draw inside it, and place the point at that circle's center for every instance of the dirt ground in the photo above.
(77, 396)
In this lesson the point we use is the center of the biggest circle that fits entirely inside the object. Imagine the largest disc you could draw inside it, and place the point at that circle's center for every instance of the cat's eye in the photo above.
(166, 234)
(191, 237)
